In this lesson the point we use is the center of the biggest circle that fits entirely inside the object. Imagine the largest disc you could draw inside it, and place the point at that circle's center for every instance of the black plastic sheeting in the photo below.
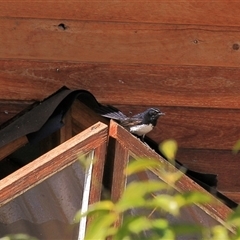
(46, 118)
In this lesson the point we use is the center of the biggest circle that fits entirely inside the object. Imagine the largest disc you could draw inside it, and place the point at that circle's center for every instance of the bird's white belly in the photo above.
(141, 129)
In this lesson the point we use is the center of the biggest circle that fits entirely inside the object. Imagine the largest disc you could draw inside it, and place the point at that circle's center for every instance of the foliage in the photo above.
(105, 215)
(236, 147)
(19, 236)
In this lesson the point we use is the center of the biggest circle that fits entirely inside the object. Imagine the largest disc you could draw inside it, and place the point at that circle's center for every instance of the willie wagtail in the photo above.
(139, 124)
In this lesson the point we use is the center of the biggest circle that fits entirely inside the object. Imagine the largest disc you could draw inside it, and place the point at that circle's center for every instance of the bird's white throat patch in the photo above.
(141, 129)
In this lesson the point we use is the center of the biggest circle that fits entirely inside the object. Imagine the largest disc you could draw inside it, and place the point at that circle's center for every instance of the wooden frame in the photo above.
(121, 145)
(127, 145)
(93, 138)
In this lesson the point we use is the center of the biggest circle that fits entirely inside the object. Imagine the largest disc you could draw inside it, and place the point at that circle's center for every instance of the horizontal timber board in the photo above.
(176, 12)
(199, 128)
(223, 163)
(129, 43)
(9, 109)
(191, 86)
(235, 196)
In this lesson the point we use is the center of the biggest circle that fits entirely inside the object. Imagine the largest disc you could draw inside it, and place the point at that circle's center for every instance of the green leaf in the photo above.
(220, 233)
(102, 205)
(193, 197)
(123, 231)
(185, 229)
(170, 177)
(234, 218)
(139, 224)
(134, 226)
(18, 236)
(160, 223)
(165, 202)
(86, 161)
(167, 234)
(169, 149)
(162, 230)
(96, 207)
(100, 225)
(236, 147)
(140, 165)
(134, 194)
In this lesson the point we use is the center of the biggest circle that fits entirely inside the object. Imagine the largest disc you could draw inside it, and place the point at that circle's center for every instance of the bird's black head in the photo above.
(152, 115)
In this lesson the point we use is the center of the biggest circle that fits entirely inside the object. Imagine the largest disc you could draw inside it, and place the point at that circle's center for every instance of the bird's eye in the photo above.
(153, 113)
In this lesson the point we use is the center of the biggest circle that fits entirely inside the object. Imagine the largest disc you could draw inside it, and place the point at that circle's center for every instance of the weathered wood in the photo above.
(8, 109)
(134, 54)
(134, 43)
(136, 148)
(223, 163)
(66, 130)
(233, 195)
(49, 142)
(52, 162)
(180, 12)
(195, 128)
(121, 158)
(97, 176)
(83, 117)
(200, 128)
(193, 86)
(12, 147)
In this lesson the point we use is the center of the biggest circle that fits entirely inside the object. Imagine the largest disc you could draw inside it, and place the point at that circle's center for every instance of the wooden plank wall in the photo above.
(181, 56)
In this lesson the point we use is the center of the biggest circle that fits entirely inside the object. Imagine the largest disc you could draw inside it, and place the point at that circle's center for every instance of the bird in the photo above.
(139, 124)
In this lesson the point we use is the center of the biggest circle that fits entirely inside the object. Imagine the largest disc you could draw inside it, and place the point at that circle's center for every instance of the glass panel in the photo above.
(47, 210)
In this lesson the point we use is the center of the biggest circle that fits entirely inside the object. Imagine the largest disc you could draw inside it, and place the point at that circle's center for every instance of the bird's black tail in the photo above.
(111, 112)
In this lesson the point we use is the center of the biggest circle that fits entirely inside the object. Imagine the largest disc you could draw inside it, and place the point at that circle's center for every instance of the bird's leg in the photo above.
(142, 138)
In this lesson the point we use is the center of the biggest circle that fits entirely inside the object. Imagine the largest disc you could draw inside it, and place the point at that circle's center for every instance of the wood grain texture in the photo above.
(51, 162)
(124, 83)
(223, 163)
(97, 173)
(12, 147)
(199, 128)
(202, 134)
(181, 56)
(66, 131)
(121, 158)
(194, 128)
(8, 109)
(83, 117)
(136, 148)
(180, 12)
(133, 43)
(233, 195)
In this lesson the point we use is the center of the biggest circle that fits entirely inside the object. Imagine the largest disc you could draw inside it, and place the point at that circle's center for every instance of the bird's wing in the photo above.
(111, 112)
(139, 115)
(128, 122)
